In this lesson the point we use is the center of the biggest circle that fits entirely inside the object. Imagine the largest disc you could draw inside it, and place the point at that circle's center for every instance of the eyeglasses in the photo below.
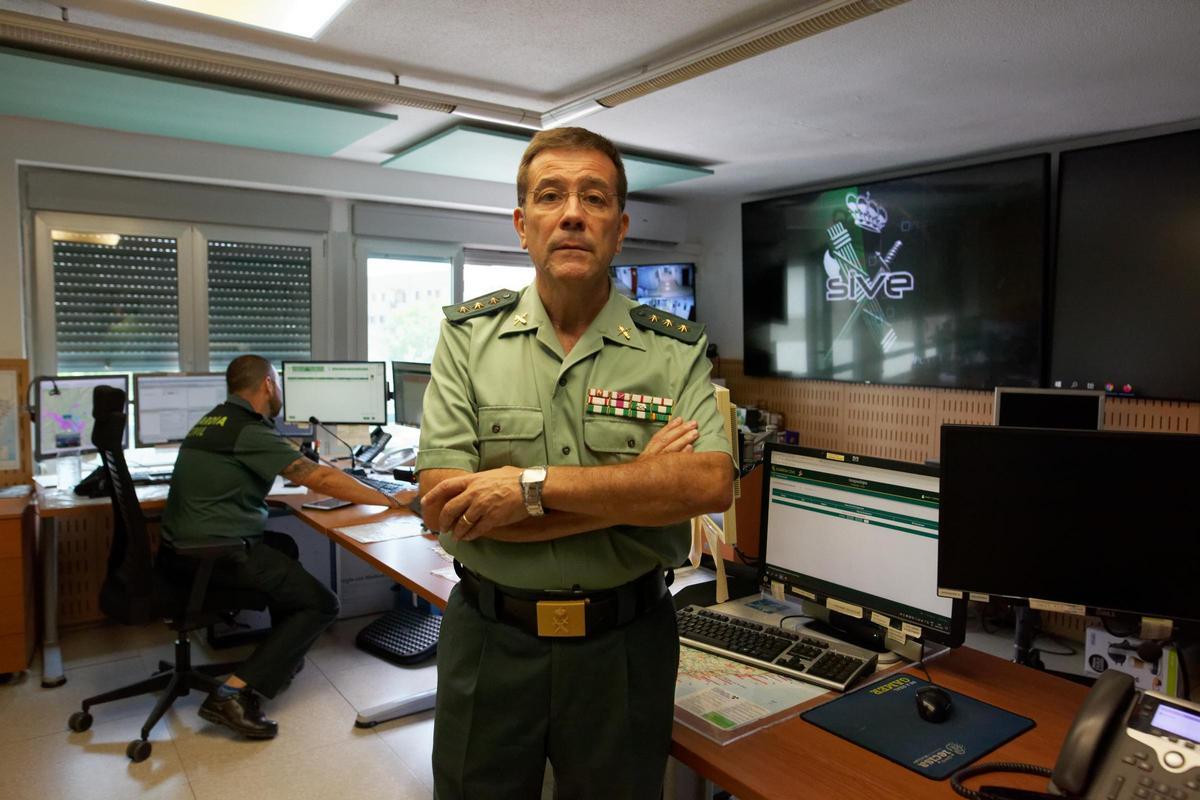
(593, 201)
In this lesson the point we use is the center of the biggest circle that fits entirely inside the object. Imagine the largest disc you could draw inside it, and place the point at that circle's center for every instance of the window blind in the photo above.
(259, 301)
(116, 306)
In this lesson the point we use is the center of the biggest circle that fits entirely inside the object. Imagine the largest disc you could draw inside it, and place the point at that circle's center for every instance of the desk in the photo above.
(794, 759)
(18, 633)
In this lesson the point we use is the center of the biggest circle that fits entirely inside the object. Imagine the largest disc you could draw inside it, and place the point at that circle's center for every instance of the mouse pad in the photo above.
(882, 718)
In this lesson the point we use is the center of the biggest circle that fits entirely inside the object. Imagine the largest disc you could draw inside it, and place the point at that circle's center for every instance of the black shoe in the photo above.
(239, 712)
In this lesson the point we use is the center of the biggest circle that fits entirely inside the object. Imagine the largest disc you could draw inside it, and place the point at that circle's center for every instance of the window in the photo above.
(403, 311)
(488, 270)
(123, 295)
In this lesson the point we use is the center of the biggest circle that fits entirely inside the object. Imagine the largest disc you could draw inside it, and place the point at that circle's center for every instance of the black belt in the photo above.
(565, 613)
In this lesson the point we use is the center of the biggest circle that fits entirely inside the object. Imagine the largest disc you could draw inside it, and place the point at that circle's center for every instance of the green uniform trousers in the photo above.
(301, 607)
(599, 708)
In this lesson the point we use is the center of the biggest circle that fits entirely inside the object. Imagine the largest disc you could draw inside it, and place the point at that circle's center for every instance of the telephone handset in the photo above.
(1123, 741)
(1123, 745)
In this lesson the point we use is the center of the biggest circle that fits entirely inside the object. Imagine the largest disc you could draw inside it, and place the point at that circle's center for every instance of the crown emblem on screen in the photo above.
(866, 212)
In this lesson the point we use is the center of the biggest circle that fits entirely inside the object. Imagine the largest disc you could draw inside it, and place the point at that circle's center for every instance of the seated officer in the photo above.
(226, 466)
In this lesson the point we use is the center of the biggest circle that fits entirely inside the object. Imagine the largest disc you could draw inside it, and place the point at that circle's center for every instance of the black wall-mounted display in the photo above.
(933, 280)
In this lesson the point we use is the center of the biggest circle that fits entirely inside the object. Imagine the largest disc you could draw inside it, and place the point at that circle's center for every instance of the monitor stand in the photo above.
(866, 635)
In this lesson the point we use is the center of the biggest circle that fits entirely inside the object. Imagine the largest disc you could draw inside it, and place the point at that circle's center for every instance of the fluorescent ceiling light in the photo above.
(305, 18)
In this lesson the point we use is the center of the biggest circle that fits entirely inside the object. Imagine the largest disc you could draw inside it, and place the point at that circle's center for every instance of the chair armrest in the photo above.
(210, 547)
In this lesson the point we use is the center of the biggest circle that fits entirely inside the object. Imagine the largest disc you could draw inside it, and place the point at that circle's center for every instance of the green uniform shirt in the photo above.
(503, 393)
(224, 471)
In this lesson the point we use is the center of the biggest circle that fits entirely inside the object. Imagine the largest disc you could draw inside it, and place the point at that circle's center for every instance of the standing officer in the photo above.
(226, 466)
(548, 464)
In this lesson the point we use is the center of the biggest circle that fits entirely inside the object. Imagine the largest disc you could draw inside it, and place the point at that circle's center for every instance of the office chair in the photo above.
(136, 590)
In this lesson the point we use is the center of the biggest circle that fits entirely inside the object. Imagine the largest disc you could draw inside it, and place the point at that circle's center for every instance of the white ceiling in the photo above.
(927, 81)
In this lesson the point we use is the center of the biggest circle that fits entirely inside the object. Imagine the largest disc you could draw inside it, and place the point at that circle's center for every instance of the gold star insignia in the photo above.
(624, 331)
(493, 301)
(463, 309)
(667, 323)
(654, 317)
(520, 319)
(683, 328)
(478, 305)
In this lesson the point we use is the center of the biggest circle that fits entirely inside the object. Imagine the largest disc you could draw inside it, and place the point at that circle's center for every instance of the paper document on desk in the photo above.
(390, 528)
(280, 487)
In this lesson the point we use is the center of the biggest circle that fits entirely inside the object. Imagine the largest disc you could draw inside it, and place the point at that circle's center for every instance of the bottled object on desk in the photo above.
(67, 469)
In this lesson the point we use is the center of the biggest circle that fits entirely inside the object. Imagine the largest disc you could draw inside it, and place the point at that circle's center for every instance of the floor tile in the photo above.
(411, 738)
(93, 765)
(377, 681)
(361, 768)
(335, 651)
(110, 642)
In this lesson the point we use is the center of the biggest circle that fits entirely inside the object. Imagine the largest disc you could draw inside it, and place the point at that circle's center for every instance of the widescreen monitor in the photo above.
(409, 381)
(1071, 520)
(167, 405)
(335, 392)
(668, 287)
(1128, 269)
(931, 280)
(858, 537)
(1022, 407)
(63, 418)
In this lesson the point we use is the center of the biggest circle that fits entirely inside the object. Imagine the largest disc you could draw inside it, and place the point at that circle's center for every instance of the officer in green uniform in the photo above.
(568, 434)
(225, 469)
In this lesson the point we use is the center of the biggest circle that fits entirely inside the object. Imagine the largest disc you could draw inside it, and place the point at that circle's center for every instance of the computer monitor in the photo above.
(335, 392)
(725, 522)
(669, 287)
(409, 381)
(1021, 407)
(63, 418)
(1077, 521)
(167, 405)
(293, 430)
(857, 538)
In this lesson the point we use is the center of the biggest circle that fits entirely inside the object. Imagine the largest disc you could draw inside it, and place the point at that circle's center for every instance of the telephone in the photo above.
(366, 452)
(1123, 741)
(1123, 745)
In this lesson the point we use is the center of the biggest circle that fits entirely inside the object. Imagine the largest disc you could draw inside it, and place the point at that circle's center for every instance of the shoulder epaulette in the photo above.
(479, 306)
(655, 319)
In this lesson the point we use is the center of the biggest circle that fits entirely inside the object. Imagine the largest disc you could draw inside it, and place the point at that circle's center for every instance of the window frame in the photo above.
(401, 249)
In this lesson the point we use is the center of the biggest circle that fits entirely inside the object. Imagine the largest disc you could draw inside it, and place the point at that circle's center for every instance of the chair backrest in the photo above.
(128, 592)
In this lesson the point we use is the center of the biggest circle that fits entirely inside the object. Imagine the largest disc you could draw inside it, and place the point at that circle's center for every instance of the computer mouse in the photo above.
(934, 704)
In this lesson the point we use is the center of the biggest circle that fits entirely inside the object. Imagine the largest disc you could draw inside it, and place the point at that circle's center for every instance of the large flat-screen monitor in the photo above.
(63, 419)
(1128, 269)
(409, 381)
(858, 537)
(167, 405)
(1089, 520)
(931, 280)
(670, 287)
(335, 392)
(1022, 407)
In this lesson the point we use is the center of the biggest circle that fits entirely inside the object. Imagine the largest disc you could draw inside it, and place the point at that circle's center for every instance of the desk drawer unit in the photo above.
(18, 629)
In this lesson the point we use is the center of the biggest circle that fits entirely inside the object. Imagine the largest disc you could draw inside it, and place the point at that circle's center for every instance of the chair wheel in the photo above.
(80, 721)
(138, 750)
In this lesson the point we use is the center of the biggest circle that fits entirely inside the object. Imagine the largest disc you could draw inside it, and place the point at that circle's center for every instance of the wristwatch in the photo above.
(532, 481)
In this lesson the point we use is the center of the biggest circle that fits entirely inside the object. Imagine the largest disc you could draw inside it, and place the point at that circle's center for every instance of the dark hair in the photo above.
(570, 139)
(246, 372)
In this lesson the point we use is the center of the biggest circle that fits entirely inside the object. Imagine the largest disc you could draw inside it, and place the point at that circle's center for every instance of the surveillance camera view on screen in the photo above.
(933, 280)
(863, 539)
(669, 287)
(64, 412)
(335, 392)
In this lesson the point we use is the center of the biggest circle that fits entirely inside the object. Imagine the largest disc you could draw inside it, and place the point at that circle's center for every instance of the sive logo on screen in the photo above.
(847, 278)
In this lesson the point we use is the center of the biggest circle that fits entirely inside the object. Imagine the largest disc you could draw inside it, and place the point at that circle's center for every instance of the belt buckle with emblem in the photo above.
(562, 618)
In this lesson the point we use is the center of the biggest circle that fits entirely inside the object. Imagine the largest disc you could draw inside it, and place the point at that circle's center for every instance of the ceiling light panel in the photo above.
(306, 18)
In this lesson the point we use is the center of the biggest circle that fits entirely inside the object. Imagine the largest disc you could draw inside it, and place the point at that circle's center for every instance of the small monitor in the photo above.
(669, 287)
(857, 538)
(293, 430)
(1020, 407)
(1071, 520)
(335, 392)
(63, 420)
(409, 380)
(726, 521)
(167, 405)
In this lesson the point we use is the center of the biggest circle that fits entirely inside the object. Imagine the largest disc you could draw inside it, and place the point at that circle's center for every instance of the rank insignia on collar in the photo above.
(521, 319)
(623, 331)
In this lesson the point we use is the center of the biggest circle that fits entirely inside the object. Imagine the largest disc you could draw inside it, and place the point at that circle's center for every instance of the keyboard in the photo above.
(387, 487)
(805, 656)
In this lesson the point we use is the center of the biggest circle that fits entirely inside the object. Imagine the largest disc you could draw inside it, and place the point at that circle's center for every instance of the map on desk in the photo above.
(726, 700)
